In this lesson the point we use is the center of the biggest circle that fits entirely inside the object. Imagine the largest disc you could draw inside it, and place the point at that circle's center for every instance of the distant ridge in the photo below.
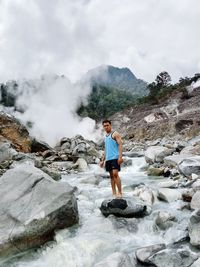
(118, 78)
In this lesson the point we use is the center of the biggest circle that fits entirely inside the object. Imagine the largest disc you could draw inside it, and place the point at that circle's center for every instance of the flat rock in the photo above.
(123, 208)
(143, 254)
(189, 166)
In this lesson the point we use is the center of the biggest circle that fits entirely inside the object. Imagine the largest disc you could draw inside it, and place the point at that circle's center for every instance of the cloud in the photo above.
(70, 37)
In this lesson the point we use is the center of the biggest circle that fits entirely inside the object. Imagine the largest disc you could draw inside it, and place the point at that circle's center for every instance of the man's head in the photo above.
(107, 125)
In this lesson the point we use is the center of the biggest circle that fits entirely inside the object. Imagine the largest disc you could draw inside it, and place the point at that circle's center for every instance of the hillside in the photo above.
(118, 78)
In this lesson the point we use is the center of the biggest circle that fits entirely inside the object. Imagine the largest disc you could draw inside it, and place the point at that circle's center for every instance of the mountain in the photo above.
(117, 78)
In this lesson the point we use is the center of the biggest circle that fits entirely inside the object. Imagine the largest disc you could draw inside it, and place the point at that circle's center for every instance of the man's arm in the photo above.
(118, 139)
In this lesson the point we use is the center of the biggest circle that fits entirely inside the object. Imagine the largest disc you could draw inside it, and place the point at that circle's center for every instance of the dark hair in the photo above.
(105, 121)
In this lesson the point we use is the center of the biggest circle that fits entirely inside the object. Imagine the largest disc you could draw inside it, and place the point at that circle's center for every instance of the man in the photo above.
(112, 157)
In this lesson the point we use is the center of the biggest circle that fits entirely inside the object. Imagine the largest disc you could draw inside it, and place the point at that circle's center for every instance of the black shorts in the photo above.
(112, 165)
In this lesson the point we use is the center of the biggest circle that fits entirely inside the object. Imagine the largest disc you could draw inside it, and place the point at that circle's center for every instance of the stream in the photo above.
(96, 237)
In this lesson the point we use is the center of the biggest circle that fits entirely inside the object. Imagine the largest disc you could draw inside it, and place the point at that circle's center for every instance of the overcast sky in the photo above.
(71, 36)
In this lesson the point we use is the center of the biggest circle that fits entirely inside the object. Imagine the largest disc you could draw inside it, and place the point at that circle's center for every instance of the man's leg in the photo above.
(113, 185)
(117, 181)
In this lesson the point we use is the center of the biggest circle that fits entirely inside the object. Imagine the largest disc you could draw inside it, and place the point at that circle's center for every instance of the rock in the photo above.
(6, 151)
(63, 165)
(187, 194)
(32, 206)
(156, 154)
(194, 228)
(169, 195)
(55, 175)
(123, 208)
(145, 194)
(173, 257)
(196, 263)
(133, 154)
(173, 161)
(143, 254)
(168, 184)
(191, 150)
(189, 166)
(195, 202)
(82, 165)
(117, 259)
(153, 171)
(196, 185)
(39, 146)
(15, 132)
(164, 220)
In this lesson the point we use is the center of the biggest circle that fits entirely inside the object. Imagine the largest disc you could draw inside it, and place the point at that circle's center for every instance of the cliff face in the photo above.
(176, 115)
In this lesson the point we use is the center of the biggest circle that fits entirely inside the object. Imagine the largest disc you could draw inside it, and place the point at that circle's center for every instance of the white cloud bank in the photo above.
(70, 37)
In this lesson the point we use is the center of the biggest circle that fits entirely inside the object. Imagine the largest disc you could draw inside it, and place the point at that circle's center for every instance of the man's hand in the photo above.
(120, 160)
(101, 164)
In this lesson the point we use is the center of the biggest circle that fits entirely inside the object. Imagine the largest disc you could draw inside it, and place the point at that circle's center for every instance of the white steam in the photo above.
(50, 104)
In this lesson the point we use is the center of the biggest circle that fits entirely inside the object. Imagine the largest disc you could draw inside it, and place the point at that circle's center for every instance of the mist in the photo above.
(49, 105)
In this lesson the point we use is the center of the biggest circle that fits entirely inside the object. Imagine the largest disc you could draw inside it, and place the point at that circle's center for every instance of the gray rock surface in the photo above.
(169, 195)
(173, 258)
(157, 154)
(164, 220)
(194, 228)
(143, 254)
(32, 206)
(6, 151)
(189, 166)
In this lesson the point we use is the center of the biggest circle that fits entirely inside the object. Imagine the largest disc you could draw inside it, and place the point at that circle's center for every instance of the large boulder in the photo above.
(32, 206)
(123, 208)
(195, 202)
(15, 132)
(174, 160)
(157, 154)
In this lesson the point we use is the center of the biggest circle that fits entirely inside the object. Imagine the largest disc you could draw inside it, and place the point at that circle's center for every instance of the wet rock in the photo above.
(169, 195)
(196, 263)
(82, 165)
(191, 150)
(117, 259)
(181, 257)
(174, 160)
(153, 171)
(143, 254)
(145, 194)
(189, 166)
(130, 225)
(164, 220)
(157, 154)
(196, 185)
(54, 174)
(6, 151)
(123, 208)
(168, 184)
(194, 228)
(187, 194)
(126, 162)
(195, 202)
(32, 206)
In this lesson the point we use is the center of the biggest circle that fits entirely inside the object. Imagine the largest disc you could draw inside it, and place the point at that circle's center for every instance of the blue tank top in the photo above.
(111, 147)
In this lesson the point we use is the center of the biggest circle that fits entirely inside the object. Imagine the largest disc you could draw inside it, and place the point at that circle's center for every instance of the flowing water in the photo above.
(96, 237)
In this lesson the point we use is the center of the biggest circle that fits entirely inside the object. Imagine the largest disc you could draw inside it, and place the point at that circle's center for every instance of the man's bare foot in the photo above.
(114, 195)
(119, 195)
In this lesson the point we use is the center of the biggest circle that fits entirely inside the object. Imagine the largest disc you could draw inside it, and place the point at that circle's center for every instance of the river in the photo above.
(96, 237)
